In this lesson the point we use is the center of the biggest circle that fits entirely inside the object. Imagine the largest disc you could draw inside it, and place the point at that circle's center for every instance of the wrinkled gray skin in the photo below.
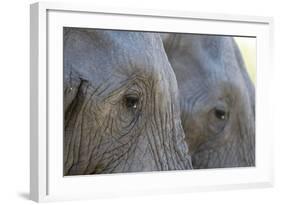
(217, 99)
(121, 109)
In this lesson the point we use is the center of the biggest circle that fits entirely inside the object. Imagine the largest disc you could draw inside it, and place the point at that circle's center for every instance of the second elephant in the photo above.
(217, 99)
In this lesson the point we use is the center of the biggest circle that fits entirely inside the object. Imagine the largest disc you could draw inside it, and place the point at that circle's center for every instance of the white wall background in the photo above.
(14, 102)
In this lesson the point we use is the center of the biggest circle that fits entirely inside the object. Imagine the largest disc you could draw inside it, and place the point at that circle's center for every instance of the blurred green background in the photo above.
(247, 47)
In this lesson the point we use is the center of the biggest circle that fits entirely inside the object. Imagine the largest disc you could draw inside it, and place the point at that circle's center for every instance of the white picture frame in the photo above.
(46, 179)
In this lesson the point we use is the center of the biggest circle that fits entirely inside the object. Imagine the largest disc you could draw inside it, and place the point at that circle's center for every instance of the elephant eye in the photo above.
(131, 102)
(220, 114)
(217, 119)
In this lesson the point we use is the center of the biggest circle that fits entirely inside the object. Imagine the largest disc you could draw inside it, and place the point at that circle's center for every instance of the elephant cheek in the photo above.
(167, 140)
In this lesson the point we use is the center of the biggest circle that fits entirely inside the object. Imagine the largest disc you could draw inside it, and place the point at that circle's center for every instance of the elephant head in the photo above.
(121, 108)
(217, 99)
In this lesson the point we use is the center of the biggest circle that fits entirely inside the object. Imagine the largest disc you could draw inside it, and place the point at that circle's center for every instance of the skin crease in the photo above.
(121, 108)
(217, 99)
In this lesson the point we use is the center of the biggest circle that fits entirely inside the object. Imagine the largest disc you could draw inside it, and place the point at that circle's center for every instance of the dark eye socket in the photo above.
(131, 101)
(220, 114)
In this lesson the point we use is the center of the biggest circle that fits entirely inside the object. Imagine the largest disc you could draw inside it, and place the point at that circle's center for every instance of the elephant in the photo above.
(217, 99)
(121, 104)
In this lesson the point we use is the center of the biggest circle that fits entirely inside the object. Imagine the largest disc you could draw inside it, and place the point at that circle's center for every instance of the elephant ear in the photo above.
(247, 127)
(249, 84)
(71, 79)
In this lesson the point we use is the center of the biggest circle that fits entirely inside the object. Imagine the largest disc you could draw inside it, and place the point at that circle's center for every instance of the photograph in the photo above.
(138, 101)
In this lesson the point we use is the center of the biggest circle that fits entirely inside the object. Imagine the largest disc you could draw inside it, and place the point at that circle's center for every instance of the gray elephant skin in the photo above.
(217, 99)
(121, 107)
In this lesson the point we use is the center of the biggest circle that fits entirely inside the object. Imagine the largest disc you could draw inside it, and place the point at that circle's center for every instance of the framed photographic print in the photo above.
(127, 102)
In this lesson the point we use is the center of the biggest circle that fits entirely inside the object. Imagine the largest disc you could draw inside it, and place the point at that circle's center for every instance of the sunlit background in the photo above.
(248, 49)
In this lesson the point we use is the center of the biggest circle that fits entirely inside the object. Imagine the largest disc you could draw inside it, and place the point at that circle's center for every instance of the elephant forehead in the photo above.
(207, 68)
(215, 61)
(101, 53)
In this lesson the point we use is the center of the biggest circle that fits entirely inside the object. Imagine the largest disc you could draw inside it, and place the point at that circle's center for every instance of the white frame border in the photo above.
(39, 94)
